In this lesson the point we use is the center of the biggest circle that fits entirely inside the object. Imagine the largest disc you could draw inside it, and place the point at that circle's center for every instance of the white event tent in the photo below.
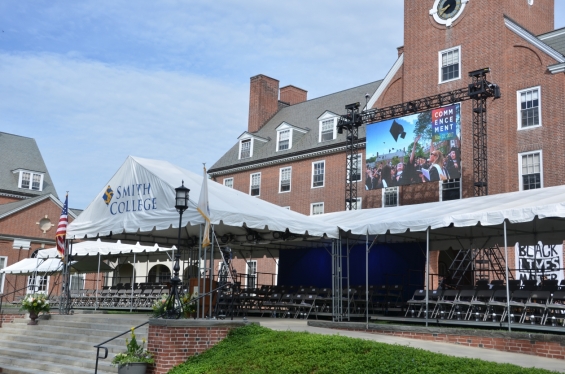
(138, 204)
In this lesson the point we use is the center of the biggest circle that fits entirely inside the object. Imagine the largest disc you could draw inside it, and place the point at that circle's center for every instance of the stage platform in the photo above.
(470, 324)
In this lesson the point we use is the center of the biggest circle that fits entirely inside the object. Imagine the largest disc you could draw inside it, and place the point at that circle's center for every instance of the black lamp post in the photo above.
(174, 305)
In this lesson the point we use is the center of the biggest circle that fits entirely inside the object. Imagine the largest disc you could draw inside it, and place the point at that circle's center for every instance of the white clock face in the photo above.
(445, 12)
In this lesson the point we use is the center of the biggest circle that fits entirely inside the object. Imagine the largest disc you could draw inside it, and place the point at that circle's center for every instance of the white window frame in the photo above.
(520, 175)
(31, 175)
(81, 278)
(321, 203)
(247, 274)
(327, 117)
(442, 184)
(279, 132)
(359, 204)
(2, 275)
(251, 183)
(38, 280)
(519, 107)
(323, 176)
(440, 64)
(226, 180)
(289, 179)
(250, 148)
(395, 189)
(359, 167)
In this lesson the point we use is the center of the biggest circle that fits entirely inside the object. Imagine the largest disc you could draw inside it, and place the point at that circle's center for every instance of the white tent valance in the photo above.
(532, 216)
(28, 266)
(104, 249)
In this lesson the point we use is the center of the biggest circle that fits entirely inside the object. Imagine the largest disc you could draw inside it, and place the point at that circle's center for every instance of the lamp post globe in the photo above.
(181, 198)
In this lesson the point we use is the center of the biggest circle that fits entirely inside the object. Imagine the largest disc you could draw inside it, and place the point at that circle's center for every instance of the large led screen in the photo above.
(419, 148)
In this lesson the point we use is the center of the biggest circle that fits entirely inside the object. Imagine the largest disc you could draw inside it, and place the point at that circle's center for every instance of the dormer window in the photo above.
(284, 140)
(288, 135)
(249, 143)
(327, 126)
(245, 151)
(30, 180)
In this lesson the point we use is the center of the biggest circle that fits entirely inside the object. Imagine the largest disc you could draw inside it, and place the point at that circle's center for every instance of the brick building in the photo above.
(292, 154)
(29, 211)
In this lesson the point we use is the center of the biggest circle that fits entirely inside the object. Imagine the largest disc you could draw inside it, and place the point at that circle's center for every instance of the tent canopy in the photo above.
(42, 266)
(532, 216)
(138, 204)
(111, 249)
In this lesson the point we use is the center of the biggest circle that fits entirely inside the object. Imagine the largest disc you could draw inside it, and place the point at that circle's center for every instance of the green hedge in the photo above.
(255, 349)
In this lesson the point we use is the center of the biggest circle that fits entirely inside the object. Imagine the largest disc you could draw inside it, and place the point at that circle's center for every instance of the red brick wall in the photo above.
(173, 342)
(548, 349)
(7, 200)
(263, 101)
(266, 268)
(9, 318)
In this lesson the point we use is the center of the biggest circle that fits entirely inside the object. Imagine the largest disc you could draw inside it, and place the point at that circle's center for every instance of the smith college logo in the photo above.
(130, 198)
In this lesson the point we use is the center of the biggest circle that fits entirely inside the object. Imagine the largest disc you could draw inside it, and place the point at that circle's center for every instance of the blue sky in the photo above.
(96, 81)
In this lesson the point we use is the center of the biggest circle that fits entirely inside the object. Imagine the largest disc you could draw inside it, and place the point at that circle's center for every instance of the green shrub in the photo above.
(258, 350)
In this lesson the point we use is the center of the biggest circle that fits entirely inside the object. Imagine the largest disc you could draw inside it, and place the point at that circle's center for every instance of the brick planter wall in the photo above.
(173, 341)
(543, 345)
(10, 316)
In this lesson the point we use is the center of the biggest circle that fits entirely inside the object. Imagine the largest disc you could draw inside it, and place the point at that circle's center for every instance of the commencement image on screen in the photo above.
(419, 148)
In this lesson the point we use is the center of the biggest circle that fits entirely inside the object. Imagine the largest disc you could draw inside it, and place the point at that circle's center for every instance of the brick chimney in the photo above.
(263, 101)
(400, 50)
(293, 95)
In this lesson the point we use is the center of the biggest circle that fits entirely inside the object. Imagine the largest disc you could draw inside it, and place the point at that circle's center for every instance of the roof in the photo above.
(555, 39)
(303, 115)
(20, 152)
(11, 208)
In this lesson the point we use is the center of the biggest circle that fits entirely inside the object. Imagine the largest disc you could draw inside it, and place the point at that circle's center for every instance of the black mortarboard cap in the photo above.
(397, 129)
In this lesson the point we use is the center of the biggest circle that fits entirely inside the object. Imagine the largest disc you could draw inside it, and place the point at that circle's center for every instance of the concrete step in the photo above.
(65, 344)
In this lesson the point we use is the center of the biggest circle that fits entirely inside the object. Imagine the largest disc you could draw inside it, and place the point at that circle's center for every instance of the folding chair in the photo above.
(518, 305)
(305, 307)
(415, 303)
(462, 305)
(497, 306)
(556, 309)
(270, 303)
(444, 304)
(536, 307)
(479, 304)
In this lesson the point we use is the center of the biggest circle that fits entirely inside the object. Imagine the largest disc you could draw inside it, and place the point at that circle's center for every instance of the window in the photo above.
(450, 189)
(285, 175)
(255, 189)
(357, 204)
(3, 262)
(245, 149)
(251, 274)
(449, 64)
(356, 168)
(318, 174)
(316, 208)
(327, 130)
(30, 180)
(284, 140)
(390, 197)
(77, 282)
(529, 114)
(531, 167)
(228, 182)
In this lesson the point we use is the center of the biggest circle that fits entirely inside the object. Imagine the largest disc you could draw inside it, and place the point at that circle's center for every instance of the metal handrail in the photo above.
(100, 346)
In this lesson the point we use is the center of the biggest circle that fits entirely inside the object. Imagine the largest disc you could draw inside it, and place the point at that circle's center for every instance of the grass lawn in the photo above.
(258, 350)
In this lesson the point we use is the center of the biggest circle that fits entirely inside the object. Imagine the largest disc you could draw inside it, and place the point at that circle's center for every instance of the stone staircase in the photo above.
(64, 344)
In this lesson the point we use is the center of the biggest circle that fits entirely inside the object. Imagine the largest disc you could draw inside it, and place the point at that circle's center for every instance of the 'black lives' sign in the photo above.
(537, 261)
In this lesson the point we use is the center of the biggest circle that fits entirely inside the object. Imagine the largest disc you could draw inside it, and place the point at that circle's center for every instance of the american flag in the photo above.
(62, 228)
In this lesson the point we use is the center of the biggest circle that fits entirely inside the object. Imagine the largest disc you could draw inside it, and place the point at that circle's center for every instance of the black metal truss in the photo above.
(478, 90)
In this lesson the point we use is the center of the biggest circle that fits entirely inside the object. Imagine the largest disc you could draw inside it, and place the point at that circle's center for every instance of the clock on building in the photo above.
(445, 12)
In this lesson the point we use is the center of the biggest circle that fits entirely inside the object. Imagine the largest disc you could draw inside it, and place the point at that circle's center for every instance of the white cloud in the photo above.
(88, 116)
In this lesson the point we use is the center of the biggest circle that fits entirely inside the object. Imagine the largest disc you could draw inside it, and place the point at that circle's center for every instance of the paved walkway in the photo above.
(523, 360)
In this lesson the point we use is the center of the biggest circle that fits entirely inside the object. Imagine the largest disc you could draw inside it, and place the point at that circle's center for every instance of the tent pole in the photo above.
(427, 273)
(97, 283)
(367, 279)
(132, 284)
(507, 286)
(211, 274)
(200, 274)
